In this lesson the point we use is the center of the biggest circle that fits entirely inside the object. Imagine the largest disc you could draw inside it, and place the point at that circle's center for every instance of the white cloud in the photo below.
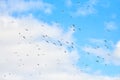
(87, 8)
(114, 16)
(68, 3)
(111, 25)
(23, 55)
(11, 6)
(103, 53)
(116, 52)
(31, 57)
(7, 76)
(30, 49)
(105, 4)
(111, 56)
(93, 40)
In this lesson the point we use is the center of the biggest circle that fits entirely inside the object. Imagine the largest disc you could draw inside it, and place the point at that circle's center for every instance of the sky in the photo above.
(59, 40)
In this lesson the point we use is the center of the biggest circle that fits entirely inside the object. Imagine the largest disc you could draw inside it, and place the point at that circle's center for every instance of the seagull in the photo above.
(79, 29)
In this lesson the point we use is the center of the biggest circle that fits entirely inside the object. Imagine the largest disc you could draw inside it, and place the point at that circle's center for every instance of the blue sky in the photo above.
(76, 39)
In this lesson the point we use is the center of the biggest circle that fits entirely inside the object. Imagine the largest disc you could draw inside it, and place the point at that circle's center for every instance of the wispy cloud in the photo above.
(68, 3)
(103, 49)
(87, 8)
(111, 25)
(11, 6)
(93, 40)
(103, 53)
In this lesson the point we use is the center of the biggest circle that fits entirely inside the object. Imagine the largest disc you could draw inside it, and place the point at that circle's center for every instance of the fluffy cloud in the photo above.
(35, 50)
(29, 45)
(30, 50)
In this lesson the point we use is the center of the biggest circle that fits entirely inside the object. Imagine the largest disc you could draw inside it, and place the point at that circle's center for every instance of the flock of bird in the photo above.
(71, 45)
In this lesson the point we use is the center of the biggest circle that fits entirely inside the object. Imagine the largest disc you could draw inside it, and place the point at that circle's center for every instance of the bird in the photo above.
(54, 43)
(60, 44)
(73, 25)
(38, 48)
(72, 47)
(62, 11)
(88, 53)
(19, 33)
(38, 64)
(98, 56)
(97, 61)
(26, 29)
(105, 41)
(65, 51)
(27, 54)
(105, 64)
(24, 37)
(78, 2)
(73, 29)
(79, 29)
(67, 42)
(47, 41)
(106, 46)
(38, 54)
